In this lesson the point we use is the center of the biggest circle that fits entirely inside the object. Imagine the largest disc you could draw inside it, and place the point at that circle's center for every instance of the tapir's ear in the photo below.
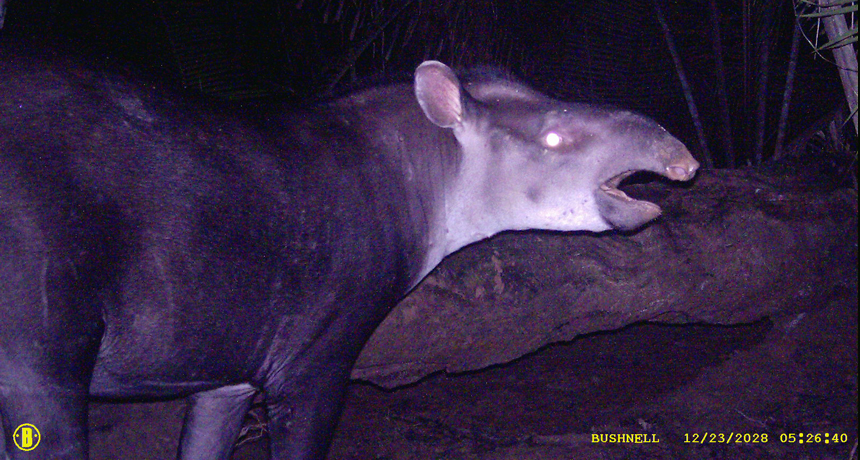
(438, 92)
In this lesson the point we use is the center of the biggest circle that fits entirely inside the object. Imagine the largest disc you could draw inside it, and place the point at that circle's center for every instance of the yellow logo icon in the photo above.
(26, 437)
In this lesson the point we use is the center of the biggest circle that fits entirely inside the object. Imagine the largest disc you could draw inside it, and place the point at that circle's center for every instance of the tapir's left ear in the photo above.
(438, 92)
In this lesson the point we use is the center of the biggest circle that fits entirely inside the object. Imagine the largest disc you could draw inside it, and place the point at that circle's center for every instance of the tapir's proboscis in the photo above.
(154, 246)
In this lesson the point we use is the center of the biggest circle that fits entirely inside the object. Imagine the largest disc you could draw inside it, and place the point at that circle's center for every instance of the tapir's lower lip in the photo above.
(619, 210)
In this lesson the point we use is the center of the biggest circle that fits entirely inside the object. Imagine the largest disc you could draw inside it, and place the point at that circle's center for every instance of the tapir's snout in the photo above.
(682, 166)
(673, 160)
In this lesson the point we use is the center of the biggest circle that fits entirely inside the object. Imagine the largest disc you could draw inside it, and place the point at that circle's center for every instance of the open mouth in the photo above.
(680, 171)
(625, 213)
(610, 187)
(619, 210)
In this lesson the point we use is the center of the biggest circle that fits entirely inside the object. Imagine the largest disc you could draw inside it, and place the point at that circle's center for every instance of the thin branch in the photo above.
(682, 76)
(786, 95)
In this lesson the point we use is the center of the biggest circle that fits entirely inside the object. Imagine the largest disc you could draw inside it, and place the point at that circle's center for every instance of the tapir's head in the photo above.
(529, 161)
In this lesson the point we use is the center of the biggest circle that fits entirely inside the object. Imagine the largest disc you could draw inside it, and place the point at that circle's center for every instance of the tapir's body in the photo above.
(150, 248)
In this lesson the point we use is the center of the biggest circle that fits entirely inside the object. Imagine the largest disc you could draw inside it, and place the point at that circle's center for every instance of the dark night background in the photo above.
(793, 366)
(599, 52)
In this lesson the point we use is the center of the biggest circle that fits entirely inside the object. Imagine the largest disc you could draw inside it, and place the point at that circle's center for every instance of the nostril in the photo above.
(677, 172)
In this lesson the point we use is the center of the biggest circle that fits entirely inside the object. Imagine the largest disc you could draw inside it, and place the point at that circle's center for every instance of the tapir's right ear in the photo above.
(438, 92)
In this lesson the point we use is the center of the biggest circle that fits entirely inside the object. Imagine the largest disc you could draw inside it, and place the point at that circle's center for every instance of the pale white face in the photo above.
(530, 162)
(502, 187)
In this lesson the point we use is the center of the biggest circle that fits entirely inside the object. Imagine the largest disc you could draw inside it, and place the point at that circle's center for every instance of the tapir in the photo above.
(158, 245)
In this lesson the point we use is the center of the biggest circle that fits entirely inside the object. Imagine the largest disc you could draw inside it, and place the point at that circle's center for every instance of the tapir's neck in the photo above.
(444, 204)
(431, 174)
(462, 216)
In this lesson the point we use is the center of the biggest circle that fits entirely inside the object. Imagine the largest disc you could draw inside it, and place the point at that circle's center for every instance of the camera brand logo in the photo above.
(26, 437)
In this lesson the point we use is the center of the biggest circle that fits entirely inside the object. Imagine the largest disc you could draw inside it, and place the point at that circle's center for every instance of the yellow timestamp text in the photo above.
(725, 438)
(763, 438)
(813, 438)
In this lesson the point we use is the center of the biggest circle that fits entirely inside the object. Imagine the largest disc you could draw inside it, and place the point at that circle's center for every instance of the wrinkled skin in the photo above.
(151, 248)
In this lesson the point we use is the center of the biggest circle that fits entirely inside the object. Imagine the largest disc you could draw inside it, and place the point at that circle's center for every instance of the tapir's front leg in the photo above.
(304, 393)
(49, 337)
(302, 419)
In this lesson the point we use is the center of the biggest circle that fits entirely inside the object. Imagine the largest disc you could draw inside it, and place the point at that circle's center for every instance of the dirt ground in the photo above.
(774, 383)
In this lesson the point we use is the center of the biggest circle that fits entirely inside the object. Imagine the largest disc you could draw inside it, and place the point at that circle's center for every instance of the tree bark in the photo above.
(846, 58)
(733, 248)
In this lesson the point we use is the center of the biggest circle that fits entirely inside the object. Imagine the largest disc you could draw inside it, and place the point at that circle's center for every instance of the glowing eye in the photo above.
(552, 140)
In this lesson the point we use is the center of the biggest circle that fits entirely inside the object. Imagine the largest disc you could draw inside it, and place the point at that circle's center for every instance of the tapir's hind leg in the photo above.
(213, 421)
(49, 338)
